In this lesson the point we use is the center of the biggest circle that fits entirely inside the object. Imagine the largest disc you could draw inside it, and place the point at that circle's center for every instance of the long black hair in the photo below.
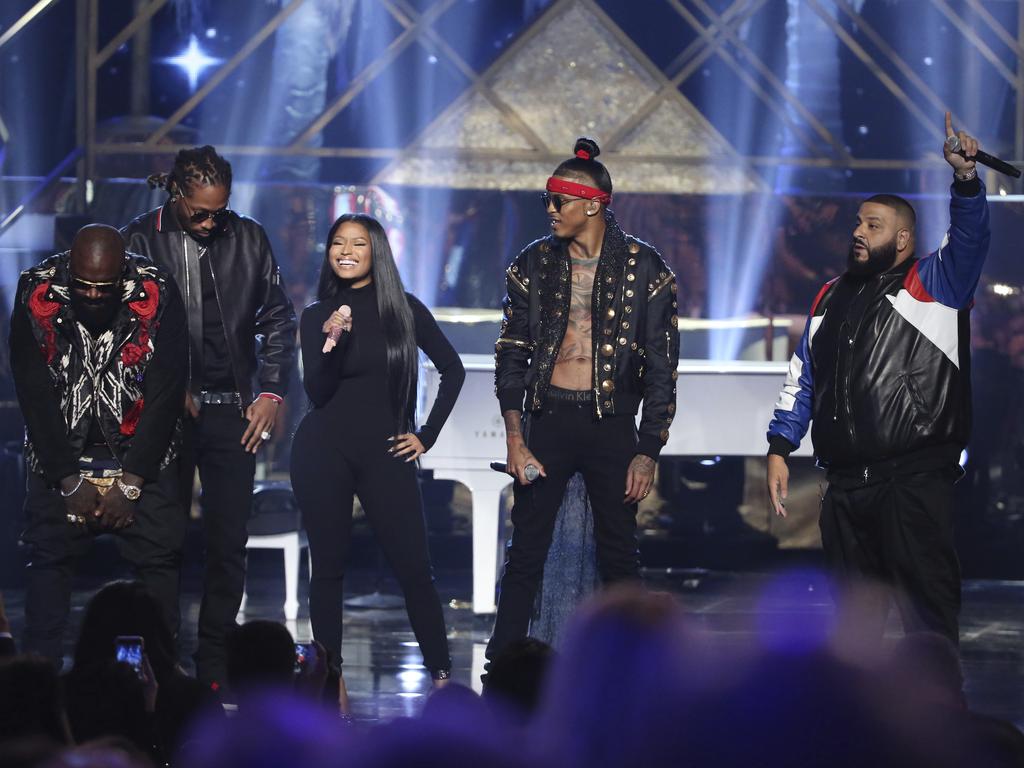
(392, 304)
(196, 167)
(584, 165)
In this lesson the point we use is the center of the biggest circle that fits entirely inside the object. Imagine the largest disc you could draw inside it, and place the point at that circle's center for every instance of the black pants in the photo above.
(213, 444)
(152, 544)
(567, 438)
(328, 468)
(898, 532)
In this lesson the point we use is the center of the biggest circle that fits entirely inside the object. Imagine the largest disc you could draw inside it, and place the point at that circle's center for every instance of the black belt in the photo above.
(932, 458)
(568, 396)
(220, 398)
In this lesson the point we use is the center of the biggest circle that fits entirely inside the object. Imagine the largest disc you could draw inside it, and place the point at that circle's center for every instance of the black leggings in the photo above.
(325, 476)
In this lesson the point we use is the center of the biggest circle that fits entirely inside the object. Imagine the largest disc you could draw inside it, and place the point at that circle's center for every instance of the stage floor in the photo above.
(383, 665)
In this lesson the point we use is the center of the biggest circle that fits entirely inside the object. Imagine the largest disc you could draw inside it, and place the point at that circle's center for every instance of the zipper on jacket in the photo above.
(188, 303)
(846, 379)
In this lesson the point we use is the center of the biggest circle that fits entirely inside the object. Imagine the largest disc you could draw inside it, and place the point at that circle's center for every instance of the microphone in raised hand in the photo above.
(334, 334)
(996, 164)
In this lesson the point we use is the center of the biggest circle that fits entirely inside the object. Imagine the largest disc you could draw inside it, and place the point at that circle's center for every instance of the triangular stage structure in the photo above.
(574, 72)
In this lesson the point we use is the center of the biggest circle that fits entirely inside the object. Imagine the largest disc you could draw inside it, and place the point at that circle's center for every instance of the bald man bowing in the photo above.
(882, 376)
(98, 355)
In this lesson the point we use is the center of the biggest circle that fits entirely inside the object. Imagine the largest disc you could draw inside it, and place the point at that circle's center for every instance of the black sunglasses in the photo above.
(548, 199)
(219, 217)
(198, 217)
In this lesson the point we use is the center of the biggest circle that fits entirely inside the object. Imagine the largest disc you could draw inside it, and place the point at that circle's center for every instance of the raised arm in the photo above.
(950, 275)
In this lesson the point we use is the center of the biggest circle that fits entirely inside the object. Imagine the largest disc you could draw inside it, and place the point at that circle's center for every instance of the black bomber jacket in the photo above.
(253, 303)
(635, 336)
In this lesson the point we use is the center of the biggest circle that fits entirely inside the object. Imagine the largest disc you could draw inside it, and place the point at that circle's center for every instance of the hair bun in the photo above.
(586, 148)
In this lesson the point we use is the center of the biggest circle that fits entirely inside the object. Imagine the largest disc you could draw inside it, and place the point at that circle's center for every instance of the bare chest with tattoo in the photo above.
(572, 365)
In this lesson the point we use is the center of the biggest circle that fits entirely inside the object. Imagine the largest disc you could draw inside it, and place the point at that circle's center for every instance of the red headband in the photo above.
(578, 190)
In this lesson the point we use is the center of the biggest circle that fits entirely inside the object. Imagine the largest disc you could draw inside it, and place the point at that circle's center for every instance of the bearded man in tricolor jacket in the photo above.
(882, 378)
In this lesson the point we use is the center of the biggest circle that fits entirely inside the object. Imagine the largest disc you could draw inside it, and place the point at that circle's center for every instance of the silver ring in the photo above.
(264, 435)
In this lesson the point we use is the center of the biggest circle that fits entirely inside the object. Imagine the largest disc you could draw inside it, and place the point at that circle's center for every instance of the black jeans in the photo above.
(213, 444)
(567, 438)
(898, 532)
(328, 467)
(152, 544)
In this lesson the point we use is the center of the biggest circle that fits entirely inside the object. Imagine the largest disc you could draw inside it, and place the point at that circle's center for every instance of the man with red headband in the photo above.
(589, 331)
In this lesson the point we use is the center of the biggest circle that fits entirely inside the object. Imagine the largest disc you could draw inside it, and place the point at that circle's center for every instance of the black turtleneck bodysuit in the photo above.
(341, 450)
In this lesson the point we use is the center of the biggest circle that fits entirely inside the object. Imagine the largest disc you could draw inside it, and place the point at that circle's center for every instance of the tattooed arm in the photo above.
(639, 478)
(519, 455)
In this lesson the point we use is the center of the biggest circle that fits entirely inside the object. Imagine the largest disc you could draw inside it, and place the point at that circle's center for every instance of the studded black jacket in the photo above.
(635, 337)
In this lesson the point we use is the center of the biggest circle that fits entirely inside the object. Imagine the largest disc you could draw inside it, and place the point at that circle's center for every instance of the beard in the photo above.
(96, 316)
(880, 259)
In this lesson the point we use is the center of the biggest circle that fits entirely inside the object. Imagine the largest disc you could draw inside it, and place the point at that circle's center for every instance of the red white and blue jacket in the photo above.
(882, 371)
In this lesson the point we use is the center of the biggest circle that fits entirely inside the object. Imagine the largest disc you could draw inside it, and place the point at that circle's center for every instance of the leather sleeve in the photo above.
(38, 398)
(514, 347)
(793, 411)
(661, 342)
(163, 389)
(275, 324)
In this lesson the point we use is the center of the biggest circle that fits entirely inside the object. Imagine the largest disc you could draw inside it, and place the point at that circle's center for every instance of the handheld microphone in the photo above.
(335, 333)
(953, 145)
(531, 471)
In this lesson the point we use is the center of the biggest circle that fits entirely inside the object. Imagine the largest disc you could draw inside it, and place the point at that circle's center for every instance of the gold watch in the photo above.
(131, 492)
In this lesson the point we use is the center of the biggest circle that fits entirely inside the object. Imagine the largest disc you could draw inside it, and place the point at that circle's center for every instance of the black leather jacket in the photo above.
(882, 373)
(135, 389)
(635, 337)
(250, 292)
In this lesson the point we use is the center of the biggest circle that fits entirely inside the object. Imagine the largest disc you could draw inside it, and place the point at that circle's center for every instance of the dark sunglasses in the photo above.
(198, 217)
(548, 199)
(219, 217)
(108, 286)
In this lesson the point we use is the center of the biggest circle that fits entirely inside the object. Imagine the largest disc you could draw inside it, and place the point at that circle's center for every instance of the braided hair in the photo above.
(197, 167)
(583, 165)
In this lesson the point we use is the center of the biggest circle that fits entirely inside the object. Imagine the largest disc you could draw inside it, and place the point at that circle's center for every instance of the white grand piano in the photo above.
(723, 409)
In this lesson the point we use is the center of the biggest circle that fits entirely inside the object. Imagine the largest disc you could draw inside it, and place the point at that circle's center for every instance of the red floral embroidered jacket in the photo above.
(131, 377)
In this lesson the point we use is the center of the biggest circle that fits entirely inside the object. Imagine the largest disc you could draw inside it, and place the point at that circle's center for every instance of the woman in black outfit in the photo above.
(357, 438)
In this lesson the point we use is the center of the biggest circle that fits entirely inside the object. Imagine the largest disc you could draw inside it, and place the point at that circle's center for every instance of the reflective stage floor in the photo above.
(383, 668)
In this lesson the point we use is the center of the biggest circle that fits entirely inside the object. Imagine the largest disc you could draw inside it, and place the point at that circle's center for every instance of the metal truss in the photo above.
(719, 36)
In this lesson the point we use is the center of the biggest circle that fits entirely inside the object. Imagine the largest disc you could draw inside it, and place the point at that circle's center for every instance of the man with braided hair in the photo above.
(234, 296)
